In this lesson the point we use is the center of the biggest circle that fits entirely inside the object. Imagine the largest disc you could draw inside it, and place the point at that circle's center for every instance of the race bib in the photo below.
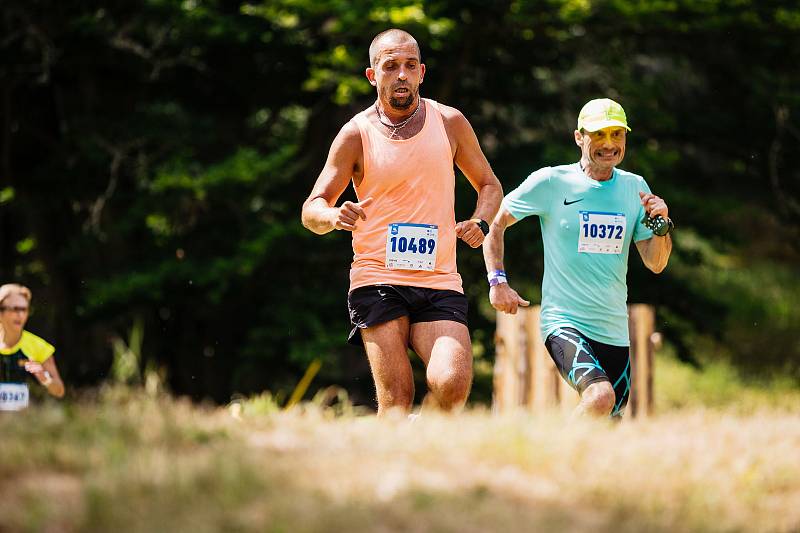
(601, 233)
(13, 396)
(411, 246)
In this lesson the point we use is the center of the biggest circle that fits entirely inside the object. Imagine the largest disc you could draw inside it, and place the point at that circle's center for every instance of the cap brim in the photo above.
(600, 124)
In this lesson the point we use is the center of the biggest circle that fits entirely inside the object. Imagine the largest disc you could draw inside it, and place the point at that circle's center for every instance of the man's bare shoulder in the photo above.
(450, 113)
(349, 134)
(348, 140)
(454, 120)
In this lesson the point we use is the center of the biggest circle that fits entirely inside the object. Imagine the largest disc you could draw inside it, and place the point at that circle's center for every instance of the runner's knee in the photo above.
(452, 378)
(599, 398)
(450, 385)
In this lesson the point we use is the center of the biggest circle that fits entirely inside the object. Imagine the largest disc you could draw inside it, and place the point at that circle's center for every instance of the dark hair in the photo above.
(394, 34)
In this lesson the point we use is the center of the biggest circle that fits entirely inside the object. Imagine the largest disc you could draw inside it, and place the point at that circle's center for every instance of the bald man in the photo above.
(405, 290)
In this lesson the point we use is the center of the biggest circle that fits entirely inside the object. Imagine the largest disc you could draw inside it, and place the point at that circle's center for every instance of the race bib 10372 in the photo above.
(411, 246)
(601, 233)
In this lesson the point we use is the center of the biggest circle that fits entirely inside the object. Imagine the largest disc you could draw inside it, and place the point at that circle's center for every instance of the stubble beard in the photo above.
(403, 103)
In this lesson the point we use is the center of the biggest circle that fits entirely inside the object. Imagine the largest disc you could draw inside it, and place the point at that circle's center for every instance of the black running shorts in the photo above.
(583, 361)
(376, 304)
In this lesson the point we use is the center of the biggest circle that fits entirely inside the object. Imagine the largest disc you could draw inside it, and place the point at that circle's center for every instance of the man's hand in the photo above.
(469, 232)
(506, 299)
(654, 205)
(348, 213)
(38, 371)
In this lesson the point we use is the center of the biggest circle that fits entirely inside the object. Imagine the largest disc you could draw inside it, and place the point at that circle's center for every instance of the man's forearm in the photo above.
(493, 248)
(489, 198)
(658, 252)
(56, 388)
(318, 216)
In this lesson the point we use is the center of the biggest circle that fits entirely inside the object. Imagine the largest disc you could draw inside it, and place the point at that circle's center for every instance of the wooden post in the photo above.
(568, 398)
(508, 350)
(526, 377)
(641, 320)
(544, 378)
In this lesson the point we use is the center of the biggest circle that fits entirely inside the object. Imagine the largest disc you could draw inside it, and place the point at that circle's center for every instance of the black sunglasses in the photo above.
(14, 309)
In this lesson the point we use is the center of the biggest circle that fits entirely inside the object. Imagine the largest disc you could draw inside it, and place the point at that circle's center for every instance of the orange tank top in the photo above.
(412, 184)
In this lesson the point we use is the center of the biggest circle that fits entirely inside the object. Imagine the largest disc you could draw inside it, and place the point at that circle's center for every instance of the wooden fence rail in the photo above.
(525, 376)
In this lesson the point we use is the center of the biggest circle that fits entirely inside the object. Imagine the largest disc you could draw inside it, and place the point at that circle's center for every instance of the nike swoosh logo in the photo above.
(572, 202)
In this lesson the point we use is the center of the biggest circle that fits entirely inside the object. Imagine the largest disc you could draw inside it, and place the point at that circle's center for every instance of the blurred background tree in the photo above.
(154, 157)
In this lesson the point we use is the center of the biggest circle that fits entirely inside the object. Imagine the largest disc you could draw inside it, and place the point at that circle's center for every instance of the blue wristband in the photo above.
(496, 277)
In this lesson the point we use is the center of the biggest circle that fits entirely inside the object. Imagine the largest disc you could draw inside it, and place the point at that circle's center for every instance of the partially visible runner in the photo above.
(22, 353)
(405, 290)
(589, 213)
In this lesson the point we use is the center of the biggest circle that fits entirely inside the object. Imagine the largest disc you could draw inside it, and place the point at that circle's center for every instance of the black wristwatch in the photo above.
(659, 225)
(483, 225)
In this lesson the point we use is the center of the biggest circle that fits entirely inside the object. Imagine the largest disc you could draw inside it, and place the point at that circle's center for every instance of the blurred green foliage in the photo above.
(154, 160)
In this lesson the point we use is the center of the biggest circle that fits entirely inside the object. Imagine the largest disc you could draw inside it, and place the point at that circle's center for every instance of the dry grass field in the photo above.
(125, 460)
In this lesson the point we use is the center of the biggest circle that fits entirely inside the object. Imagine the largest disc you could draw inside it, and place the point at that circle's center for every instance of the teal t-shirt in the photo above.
(587, 229)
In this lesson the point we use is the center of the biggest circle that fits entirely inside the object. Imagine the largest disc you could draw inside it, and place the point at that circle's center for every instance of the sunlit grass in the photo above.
(718, 385)
(127, 460)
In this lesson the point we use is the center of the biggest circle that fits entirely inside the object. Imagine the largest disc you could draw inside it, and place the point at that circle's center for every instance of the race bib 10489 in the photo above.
(601, 233)
(13, 396)
(411, 246)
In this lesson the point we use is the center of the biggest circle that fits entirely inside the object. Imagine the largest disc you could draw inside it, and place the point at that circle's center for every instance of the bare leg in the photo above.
(387, 351)
(446, 350)
(597, 401)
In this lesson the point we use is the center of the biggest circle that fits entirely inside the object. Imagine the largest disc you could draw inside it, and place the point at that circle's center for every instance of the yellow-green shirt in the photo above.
(12, 360)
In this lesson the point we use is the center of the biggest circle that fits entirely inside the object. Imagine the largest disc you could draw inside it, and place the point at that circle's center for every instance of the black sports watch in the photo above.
(483, 225)
(659, 225)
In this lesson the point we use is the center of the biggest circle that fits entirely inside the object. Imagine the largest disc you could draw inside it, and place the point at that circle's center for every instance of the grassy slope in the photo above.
(128, 461)
(717, 385)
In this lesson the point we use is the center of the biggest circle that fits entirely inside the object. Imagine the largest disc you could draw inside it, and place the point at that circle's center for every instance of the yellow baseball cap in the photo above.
(602, 113)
